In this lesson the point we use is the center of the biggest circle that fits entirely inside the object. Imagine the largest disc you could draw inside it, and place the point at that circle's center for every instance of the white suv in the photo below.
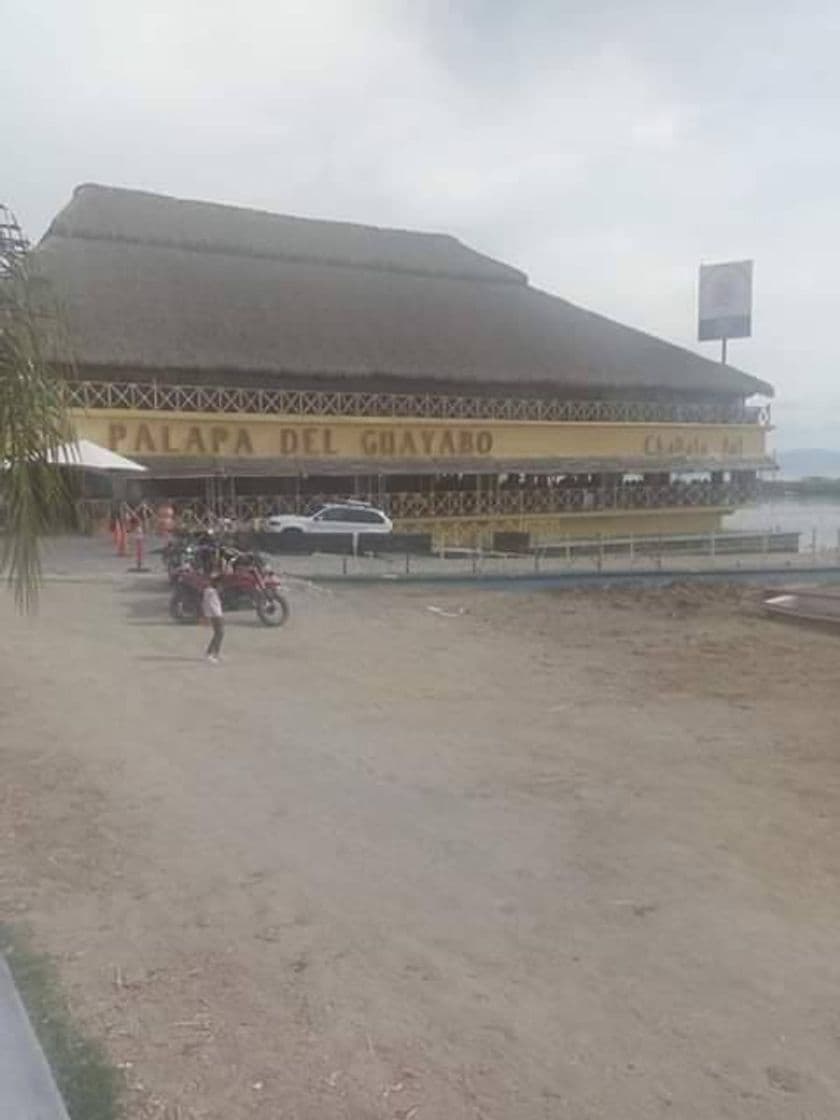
(332, 517)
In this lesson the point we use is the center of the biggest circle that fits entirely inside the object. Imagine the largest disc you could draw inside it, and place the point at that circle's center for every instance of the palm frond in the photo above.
(34, 495)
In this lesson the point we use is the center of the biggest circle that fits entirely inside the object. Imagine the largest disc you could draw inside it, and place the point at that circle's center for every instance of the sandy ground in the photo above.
(562, 855)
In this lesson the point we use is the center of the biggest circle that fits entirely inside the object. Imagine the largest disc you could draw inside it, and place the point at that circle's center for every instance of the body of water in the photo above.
(802, 515)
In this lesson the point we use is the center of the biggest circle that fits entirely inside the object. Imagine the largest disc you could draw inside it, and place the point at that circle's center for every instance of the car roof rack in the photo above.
(351, 502)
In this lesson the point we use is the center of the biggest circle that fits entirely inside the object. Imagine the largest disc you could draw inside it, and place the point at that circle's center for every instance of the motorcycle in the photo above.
(176, 554)
(188, 550)
(202, 550)
(247, 583)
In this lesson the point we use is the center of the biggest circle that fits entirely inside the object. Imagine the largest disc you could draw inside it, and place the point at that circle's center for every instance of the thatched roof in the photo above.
(155, 283)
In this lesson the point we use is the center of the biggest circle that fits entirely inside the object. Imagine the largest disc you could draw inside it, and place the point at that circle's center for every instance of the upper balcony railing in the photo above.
(152, 396)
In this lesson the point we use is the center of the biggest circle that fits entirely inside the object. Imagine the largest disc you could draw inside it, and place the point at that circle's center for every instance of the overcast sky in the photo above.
(604, 147)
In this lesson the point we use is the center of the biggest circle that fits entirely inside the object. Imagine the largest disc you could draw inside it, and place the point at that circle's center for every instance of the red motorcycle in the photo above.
(247, 583)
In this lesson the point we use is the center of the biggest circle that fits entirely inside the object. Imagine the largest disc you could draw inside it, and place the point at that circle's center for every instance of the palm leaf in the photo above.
(34, 495)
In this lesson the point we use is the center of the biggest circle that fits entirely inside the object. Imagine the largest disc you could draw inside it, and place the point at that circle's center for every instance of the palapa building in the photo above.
(255, 362)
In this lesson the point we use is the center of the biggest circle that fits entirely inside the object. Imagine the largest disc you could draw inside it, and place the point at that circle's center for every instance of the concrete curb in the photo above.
(618, 577)
(27, 1089)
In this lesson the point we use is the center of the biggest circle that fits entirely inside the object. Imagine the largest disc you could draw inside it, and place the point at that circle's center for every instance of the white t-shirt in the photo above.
(211, 604)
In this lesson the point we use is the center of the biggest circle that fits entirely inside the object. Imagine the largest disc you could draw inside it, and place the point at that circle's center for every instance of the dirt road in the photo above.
(558, 856)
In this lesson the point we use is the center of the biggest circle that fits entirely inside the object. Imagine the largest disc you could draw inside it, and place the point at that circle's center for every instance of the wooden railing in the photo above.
(454, 504)
(157, 397)
(559, 499)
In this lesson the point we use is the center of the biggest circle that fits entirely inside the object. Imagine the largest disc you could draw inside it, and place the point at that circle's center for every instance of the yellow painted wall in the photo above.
(378, 440)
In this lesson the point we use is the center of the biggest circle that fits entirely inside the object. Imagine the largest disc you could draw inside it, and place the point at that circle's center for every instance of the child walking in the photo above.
(211, 607)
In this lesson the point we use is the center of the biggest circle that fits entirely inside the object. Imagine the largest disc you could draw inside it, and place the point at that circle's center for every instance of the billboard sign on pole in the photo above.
(725, 305)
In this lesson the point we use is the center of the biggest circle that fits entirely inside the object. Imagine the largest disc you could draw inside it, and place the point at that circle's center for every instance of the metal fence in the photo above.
(674, 555)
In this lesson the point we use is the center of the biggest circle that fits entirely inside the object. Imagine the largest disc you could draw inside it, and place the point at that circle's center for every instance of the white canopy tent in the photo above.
(90, 456)
(84, 453)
